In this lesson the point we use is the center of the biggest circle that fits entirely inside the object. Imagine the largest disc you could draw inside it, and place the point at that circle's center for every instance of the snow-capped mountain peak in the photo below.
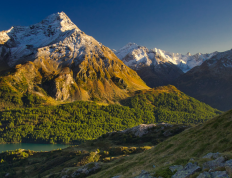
(189, 54)
(24, 41)
(122, 52)
(51, 27)
(153, 56)
(59, 20)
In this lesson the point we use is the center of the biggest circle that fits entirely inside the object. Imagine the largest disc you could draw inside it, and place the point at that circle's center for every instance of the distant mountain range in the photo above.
(136, 56)
(203, 76)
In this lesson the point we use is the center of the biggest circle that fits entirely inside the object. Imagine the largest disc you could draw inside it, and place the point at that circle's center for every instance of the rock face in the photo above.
(67, 63)
(210, 82)
(61, 85)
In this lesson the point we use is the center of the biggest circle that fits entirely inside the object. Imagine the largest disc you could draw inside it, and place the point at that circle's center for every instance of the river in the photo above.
(31, 146)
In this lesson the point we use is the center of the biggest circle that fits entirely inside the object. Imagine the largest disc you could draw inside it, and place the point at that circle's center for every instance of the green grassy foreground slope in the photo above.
(212, 136)
(78, 121)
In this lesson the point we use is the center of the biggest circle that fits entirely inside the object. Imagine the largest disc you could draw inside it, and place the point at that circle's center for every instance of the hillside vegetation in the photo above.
(211, 136)
(171, 105)
(79, 121)
(104, 159)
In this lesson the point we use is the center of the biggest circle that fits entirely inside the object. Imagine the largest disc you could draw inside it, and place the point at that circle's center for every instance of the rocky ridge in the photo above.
(145, 134)
(144, 129)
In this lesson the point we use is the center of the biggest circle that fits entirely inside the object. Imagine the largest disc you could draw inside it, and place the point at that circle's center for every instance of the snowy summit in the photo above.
(134, 55)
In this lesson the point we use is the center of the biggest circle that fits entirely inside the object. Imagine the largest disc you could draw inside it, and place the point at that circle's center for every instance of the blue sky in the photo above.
(172, 25)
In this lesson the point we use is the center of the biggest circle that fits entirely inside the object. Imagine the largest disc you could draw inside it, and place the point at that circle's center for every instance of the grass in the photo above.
(177, 150)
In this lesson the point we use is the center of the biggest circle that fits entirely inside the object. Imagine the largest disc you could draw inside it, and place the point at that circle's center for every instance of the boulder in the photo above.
(176, 168)
(65, 176)
(204, 175)
(219, 174)
(219, 162)
(87, 170)
(7, 174)
(144, 174)
(212, 155)
(188, 170)
(228, 166)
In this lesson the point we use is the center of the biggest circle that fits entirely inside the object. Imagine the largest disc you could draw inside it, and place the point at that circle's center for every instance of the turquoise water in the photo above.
(31, 146)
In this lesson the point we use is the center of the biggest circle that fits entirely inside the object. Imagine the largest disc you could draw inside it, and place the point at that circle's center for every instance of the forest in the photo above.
(76, 122)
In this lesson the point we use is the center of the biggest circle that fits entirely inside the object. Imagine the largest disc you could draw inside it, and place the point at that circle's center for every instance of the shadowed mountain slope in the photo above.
(158, 67)
(210, 82)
